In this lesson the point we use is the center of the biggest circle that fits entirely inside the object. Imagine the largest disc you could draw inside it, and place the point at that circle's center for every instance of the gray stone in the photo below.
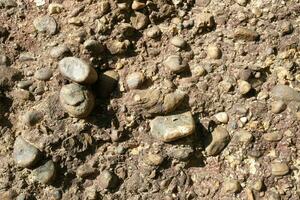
(45, 24)
(25, 84)
(43, 74)
(77, 70)
(178, 42)
(243, 136)
(175, 64)
(45, 173)
(60, 52)
(285, 93)
(272, 137)
(107, 180)
(172, 127)
(153, 32)
(134, 80)
(24, 154)
(220, 138)
(139, 20)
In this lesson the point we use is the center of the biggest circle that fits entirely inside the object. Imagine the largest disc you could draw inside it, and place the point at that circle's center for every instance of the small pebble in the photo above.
(220, 139)
(45, 24)
(244, 87)
(139, 20)
(178, 42)
(153, 32)
(43, 74)
(285, 93)
(199, 71)
(214, 52)
(85, 170)
(279, 169)
(55, 8)
(136, 5)
(243, 136)
(242, 2)
(258, 185)
(272, 137)
(25, 84)
(45, 173)
(222, 117)
(175, 64)
(153, 159)
(245, 34)
(60, 52)
(135, 80)
(107, 180)
(278, 107)
(231, 186)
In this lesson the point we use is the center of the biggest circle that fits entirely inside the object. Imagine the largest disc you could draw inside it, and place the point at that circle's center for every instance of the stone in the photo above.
(26, 56)
(205, 20)
(258, 185)
(172, 127)
(43, 74)
(272, 137)
(45, 173)
(76, 100)
(285, 93)
(55, 8)
(244, 87)
(31, 118)
(245, 34)
(136, 5)
(243, 136)
(231, 186)
(219, 140)
(107, 82)
(24, 154)
(222, 117)
(85, 170)
(8, 3)
(76, 21)
(199, 71)
(107, 180)
(178, 42)
(153, 32)
(153, 159)
(139, 20)
(117, 47)
(10, 194)
(25, 84)
(3, 60)
(77, 70)
(182, 153)
(45, 24)
(175, 64)
(242, 2)
(134, 80)
(279, 169)
(60, 52)
(286, 28)
(172, 101)
(214, 52)
(278, 106)
(245, 74)
(93, 46)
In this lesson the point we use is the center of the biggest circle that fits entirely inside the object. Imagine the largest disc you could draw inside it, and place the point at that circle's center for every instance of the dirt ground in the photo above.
(233, 65)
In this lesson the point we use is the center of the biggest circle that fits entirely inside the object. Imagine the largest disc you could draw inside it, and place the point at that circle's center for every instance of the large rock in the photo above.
(173, 127)
(219, 139)
(285, 93)
(77, 70)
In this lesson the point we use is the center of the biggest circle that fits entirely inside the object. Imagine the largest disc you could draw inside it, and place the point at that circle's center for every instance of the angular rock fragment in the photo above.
(45, 173)
(220, 138)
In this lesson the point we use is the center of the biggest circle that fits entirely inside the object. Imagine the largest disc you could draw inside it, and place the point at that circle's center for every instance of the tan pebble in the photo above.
(136, 5)
(222, 117)
(55, 8)
(278, 107)
(257, 185)
(214, 52)
(244, 87)
(279, 169)
(272, 137)
(231, 186)
(153, 159)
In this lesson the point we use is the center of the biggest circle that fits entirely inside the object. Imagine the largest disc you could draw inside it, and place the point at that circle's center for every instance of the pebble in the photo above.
(25, 84)
(45, 173)
(77, 70)
(107, 180)
(245, 34)
(60, 52)
(220, 138)
(153, 32)
(55, 8)
(244, 87)
(77, 100)
(272, 137)
(45, 24)
(285, 93)
(172, 127)
(31, 118)
(107, 82)
(205, 20)
(135, 80)
(242, 2)
(10, 194)
(3, 60)
(278, 106)
(214, 52)
(93, 46)
(245, 74)
(279, 169)
(117, 47)
(175, 64)
(8, 3)
(43, 74)
(24, 154)
(172, 101)
(85, 170)
(26, 56)
(258, 185)
(199, 71)
(243, 136)
(231, 186)
(222, 117)
(178, 42)
(136, 5)
(139, 20)
(153, 159)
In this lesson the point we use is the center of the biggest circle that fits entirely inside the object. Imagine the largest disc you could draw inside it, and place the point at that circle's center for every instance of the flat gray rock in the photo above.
(45, 173)
(43, 74)
(285, 93)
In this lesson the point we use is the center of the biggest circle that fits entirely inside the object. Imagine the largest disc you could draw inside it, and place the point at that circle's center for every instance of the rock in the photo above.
(278, 107)
(76, 100)
(31, 118)
(45, 173)
(153, 159)
(153, 32)
(136, 5)
(220, 138)
(243, 136)
(55, 8)
(222, 117)
(76, 21)
(214, 52)
(3, 60)
(279, 169)
(25, 84)
(10, 194)
(8, 3)
(43, 74)
(93, 46)
(258, 185)
(242, 2)
(285, 93)
(59, 52)
(173, 100)
(286, 28)
(107, 82)
(172, 127)
(245, 34)
(231, 186)
(175, 64)
(135, 80)
(45, 24)
(117, 47)
(26, 56)
(90, 193)
(3, 32)
(139, 20)
(181, 153)
(245, 74)
(244, 87)
(24, 154)
(199, 71)
(272, 137)
(77, 70)
(107, 180)
(8, 77)
(85, 170)
(205, 21)
(178, 42)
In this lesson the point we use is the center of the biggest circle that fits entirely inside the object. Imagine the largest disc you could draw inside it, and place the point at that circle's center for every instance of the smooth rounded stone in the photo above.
(243, 136)
(214, 52)
(153, 32)
(199, 71)
(24, 154)
(153, 159)
(285, 93)
(279, 169)
(93, 46)
(219, 140)
(245, 74)
(107, 82)
(43, 74)
(135, 80)
(278, 106)
(244, 87)
(172, 127)
(246, 34)
(55, 8)
(77, 100)
(45, 173)
(242, 2)
(60, 52)
(85, 170)
(117, 47)
(25, 84)
(272, 137)
(178, 42)
(31, 118)
(107, 180)
(45, 24)
(139, 20)
(3, 60)
(77, 70)
(222, 117)
(136, 5)
(258, 185)
(231, 186)
(172, 101)
(175, 64)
